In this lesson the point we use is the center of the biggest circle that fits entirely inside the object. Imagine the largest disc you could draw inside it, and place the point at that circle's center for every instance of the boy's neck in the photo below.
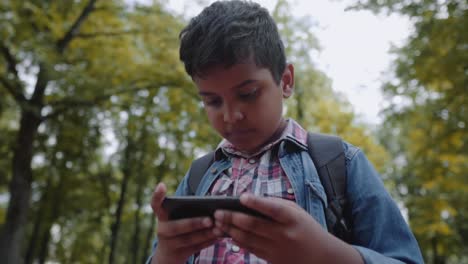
(279, 131)
(276, 135)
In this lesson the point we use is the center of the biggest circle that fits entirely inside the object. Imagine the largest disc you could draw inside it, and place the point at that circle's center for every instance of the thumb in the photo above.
(156, 202)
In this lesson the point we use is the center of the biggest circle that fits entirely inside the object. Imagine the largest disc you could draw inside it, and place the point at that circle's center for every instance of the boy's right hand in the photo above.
(179, 239)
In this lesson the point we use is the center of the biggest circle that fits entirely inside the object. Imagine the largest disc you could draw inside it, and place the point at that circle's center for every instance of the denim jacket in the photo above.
(379, 232)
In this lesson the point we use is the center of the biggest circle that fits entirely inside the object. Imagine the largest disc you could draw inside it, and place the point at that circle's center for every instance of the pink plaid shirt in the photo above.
(260, 174)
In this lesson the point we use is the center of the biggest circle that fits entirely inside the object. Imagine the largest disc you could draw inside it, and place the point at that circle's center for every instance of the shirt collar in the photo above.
(293, 134)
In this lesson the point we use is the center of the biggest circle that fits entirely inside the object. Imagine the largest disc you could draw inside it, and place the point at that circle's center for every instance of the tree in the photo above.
(87, 62)
(96, 72)
(425, 123)
(31, 116)
(315, 104)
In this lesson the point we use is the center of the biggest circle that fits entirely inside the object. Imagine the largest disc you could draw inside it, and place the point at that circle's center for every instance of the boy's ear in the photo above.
(287, 81)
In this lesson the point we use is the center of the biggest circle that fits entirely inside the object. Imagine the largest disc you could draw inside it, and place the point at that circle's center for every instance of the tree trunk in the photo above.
(136, 233)
(123, 190)
(147, 249)
(299, 106)
(31, 250)
(139, 198)
(57, 199)
(436, 258)
(12, 234)
(44, 246)
(118, 217)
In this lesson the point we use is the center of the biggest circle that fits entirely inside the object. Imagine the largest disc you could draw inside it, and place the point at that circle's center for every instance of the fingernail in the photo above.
(206, 222)
(244, 197)
(218, 224)
(158, 186)
(219, 215)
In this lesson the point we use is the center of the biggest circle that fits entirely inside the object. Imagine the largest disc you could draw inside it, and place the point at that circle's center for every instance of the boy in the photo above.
(234, 54)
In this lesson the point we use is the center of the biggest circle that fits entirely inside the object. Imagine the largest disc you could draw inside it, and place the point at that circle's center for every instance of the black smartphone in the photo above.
(180, 207)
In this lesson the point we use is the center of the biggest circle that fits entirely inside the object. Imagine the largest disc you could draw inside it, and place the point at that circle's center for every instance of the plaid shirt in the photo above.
(260, 174)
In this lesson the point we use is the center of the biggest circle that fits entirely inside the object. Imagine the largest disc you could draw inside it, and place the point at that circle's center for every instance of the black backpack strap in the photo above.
(198, 170)
(327, 153)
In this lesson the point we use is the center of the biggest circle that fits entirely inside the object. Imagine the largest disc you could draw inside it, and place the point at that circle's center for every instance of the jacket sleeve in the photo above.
(379, 231)
(182, 189)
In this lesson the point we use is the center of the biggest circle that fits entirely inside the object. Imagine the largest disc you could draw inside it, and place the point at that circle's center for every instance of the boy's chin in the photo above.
(246, 148)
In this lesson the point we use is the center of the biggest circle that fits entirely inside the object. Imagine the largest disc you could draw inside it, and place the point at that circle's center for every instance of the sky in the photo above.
(355, 47)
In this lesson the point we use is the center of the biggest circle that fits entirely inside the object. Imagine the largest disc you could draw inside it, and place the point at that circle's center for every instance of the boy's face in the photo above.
(244, 103)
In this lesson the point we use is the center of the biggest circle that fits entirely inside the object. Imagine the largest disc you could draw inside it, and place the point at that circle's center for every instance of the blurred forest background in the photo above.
(95, 109)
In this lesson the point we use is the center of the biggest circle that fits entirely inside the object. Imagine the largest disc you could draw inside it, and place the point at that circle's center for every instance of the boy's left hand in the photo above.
(292, 236)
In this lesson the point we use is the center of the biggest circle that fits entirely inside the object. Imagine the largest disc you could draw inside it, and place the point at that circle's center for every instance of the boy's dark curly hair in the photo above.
(230, 32)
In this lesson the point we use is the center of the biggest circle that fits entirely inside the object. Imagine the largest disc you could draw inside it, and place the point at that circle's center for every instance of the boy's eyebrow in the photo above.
(243, 83)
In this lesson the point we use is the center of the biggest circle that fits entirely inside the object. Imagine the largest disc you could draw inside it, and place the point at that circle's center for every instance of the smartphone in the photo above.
(180, 207)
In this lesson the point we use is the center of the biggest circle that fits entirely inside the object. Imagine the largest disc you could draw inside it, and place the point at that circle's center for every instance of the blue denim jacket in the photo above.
(379, 232)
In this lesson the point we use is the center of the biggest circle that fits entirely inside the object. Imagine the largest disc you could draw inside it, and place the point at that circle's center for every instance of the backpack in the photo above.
(327, 153)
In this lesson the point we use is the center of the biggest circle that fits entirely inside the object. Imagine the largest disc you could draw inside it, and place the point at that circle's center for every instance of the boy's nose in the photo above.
(232, 116)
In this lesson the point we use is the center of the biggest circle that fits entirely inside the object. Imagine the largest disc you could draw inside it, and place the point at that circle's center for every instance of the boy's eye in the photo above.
(215, 102)
(249, 95)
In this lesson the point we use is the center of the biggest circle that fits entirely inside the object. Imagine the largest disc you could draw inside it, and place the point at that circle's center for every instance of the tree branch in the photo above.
(41, 85)
(70, 103)
(108, 34)
(18, 96)
(63, 43)
(11, 61)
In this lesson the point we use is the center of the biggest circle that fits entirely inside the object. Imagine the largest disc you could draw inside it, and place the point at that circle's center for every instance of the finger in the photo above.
(280, 210)
(198, 247)
(156, 202)
(193, 240)
(175, 228)
(186, 245)
(247, 223)
(258, 245)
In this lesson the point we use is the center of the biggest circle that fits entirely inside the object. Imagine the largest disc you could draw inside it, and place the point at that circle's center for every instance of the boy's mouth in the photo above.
(239, 133)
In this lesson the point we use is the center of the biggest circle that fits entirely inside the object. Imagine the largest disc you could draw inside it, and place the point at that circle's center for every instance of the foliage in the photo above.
(117, 82)
(426, 123)
(116, 114)
(316, 105)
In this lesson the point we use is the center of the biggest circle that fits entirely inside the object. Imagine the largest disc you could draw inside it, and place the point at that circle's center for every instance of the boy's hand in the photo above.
(293, 236)
(179, 239)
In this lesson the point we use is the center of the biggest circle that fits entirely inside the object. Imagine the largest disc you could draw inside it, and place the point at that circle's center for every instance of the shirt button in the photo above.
(229, 171)
(235, 248)
(251, 161)
(214, 170)
(290, 191)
